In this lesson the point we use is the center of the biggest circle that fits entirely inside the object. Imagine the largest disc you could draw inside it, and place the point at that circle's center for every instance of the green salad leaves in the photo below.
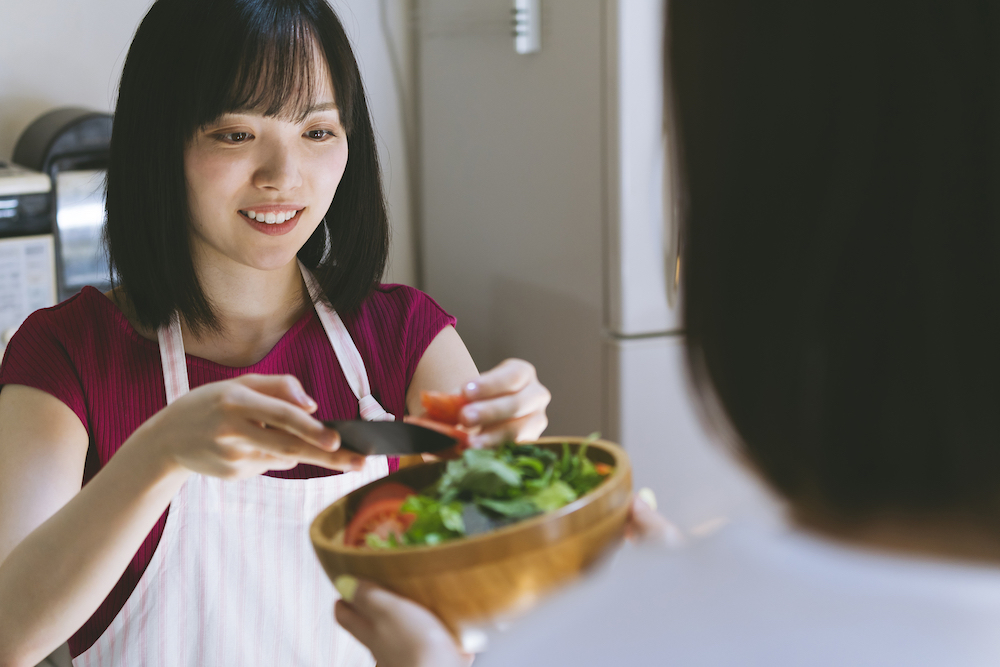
(489, 488)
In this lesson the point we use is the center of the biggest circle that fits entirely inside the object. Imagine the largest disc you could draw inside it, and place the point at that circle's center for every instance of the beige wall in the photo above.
(512, 178)
(70, 53)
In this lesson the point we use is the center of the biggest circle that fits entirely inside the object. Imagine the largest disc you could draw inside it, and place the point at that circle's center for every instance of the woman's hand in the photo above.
(505, 403)
(243, 427)
(645, 525)
(398, 632)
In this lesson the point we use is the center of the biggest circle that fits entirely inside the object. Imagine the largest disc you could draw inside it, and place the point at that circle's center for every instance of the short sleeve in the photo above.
(37, 357)
(392, 330)
(425, 321)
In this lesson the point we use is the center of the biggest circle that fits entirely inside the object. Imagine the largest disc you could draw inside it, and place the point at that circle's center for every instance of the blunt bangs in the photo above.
(191, 62)
(269, 63)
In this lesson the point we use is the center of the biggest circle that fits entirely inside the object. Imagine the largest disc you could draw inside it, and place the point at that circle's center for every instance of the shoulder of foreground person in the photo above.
(751, 595)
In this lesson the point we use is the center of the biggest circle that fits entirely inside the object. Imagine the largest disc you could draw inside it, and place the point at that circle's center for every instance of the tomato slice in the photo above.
(392, 490)
(442, 407)
(603, 469)
(448, 430)
(381, 518)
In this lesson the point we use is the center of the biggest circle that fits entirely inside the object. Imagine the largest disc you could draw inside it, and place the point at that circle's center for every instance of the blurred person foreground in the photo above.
(842, 267)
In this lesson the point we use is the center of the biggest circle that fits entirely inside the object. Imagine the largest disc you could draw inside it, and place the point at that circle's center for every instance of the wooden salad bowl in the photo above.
(474, 581)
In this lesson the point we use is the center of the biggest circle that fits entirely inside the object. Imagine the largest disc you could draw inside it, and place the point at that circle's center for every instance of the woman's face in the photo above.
(258, 186)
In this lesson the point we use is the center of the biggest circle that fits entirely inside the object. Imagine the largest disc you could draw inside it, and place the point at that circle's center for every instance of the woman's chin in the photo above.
(273, 262)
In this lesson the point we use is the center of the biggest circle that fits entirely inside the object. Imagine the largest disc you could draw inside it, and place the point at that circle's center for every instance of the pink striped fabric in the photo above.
(350, 360)
(172, 359)
(264, 603)
(85, 353)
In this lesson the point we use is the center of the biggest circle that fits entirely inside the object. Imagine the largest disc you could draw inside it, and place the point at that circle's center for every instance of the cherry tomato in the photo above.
(386, 490)
(603, 469)
(442, 407)
(381, 518)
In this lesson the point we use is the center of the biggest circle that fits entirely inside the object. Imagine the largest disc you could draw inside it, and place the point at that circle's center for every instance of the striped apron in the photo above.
(234, 579)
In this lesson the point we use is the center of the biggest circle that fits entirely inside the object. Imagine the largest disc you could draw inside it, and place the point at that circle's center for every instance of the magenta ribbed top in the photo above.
(86, 353)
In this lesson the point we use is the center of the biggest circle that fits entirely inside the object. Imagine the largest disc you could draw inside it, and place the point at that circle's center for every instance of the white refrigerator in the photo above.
(542, 227)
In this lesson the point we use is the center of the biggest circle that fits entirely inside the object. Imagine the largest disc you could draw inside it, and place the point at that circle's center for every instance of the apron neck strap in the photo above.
(175, 372)
(175, 376)
(347, 352)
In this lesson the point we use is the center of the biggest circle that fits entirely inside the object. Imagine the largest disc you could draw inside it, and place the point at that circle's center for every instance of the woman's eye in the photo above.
(319, 135)
(234, 137)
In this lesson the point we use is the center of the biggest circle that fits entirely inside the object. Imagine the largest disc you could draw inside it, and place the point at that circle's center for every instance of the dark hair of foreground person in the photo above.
(842, 246)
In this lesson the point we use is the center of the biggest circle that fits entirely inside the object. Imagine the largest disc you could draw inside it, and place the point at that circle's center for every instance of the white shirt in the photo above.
(774, 596)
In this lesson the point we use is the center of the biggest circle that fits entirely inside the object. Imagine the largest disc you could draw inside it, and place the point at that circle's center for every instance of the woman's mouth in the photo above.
(271, 217)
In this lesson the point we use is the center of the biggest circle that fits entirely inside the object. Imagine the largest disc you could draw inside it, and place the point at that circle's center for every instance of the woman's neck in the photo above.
(254, 309)
(947, 536)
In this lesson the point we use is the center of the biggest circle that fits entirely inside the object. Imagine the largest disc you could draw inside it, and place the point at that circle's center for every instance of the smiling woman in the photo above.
(250, 175)
(247, 233)
(276, 71)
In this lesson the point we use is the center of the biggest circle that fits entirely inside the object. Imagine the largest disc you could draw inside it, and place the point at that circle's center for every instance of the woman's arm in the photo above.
(506, 403)
(446, 365)
(58, 562)
(63, 548)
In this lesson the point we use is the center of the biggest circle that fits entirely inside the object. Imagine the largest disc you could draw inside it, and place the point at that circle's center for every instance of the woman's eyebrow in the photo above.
(326, 106)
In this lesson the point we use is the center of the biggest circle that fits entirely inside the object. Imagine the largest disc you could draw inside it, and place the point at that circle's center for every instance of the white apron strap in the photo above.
(175, 372)
(347, 353)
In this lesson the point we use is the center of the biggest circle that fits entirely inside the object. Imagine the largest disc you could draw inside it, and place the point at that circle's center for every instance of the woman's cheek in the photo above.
(333, 169)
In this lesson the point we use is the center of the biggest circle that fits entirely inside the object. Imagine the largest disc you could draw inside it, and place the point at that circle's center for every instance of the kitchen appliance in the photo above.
(548, 230)
(27, 256)
(72, 146)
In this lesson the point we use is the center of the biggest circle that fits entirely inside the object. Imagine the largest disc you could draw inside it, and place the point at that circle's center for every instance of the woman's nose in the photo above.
(278, 168)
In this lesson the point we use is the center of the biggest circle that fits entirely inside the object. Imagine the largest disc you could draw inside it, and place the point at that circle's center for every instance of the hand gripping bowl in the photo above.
(472, 581)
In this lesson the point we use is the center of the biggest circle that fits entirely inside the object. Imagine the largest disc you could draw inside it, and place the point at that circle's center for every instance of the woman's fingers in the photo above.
(531, 398)
(267, 399)
(506, 403)
(509, 391)
(398, 631)
(350, 619)
(247, 425)
(281, 445)
(645, 524)
(372, 601)
(285, 387)
(507, 377)
(271, 462)
(521, 429)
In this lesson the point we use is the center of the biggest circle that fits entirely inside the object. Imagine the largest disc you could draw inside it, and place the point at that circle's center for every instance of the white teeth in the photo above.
(270, 218)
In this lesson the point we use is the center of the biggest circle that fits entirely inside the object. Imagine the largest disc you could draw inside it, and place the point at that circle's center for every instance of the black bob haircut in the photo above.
(842, 245)
(190, 62)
